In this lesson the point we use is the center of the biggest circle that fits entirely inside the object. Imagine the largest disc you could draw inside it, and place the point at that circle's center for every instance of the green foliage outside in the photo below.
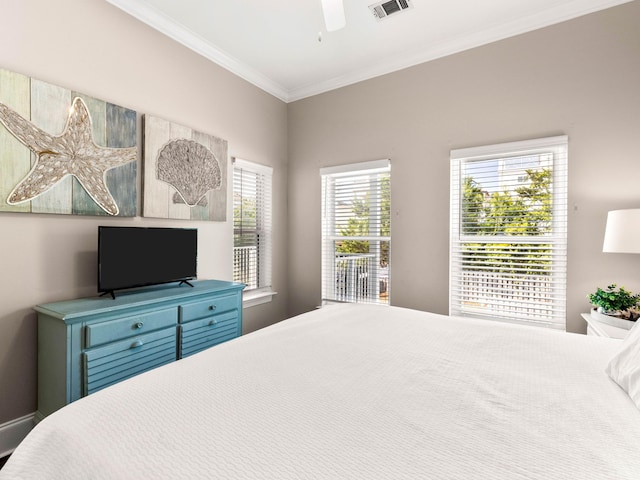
(526, 211)
(244, 221)
(358, 224)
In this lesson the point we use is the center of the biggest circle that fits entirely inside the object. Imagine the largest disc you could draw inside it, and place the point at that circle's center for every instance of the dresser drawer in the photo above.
(206, 308)
(207, 332)
(104, 366)
(110, 331)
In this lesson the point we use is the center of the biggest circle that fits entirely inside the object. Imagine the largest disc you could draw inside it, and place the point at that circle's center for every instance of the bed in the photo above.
(360, 392)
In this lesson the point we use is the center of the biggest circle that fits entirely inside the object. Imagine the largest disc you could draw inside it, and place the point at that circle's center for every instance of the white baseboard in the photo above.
(13, 432)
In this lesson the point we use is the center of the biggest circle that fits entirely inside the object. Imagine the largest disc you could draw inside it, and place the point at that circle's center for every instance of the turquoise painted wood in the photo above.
(207, 332)
(88, 344)
(105, 332)
(208, 323)
(207, 308)
(118, 361)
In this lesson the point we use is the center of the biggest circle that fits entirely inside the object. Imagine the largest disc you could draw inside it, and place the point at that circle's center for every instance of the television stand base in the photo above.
(113, 292)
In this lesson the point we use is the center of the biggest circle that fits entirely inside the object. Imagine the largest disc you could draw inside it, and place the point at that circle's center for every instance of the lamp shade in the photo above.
(622, 234)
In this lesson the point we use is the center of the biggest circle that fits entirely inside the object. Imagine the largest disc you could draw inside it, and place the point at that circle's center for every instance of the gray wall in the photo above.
(580, 78)
(94, 48)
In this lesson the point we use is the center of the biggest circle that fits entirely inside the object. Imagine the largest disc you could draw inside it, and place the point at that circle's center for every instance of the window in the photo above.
(356, 236)
(252, 227)
(508, 252)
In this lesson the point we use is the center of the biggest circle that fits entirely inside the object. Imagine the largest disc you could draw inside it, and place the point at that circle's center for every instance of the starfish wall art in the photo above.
(63, 152)
(185, 172)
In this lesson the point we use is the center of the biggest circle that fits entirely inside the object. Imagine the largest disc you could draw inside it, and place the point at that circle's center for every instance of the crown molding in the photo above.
(178, 32)
(562, 13)
(162, 23)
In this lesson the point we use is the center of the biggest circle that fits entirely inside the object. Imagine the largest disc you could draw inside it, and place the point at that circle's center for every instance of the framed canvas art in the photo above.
(64, 152)
(185, 172)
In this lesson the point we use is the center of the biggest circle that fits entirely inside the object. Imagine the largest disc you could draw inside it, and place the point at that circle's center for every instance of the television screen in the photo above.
(137, 256)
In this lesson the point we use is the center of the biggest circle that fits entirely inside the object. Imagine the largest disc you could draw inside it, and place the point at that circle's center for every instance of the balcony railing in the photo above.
(358, 278)
(245, 265)
(489, 290)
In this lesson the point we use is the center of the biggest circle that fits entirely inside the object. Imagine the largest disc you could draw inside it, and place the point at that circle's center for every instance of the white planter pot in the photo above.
(609, 320)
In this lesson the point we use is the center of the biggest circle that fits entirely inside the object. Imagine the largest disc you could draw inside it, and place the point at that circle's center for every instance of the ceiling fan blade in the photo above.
(333, 14)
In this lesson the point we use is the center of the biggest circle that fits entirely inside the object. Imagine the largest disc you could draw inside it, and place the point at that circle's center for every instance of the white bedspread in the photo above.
(355, 392)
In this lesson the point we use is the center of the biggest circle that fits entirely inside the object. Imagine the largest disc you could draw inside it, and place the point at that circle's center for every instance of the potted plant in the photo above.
(615, 306)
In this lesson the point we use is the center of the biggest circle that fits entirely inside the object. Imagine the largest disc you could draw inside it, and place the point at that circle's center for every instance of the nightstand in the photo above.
(599, 329)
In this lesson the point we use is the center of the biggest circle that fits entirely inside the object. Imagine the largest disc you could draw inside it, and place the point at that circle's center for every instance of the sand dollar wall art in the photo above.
(64, 152)
(185, 172)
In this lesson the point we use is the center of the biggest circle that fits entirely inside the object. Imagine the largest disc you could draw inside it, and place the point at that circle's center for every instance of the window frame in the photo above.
(329, 177)
(557, 239)
(263, 292)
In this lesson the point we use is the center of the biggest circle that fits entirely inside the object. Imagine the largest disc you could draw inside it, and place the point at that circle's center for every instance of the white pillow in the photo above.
(624, 367)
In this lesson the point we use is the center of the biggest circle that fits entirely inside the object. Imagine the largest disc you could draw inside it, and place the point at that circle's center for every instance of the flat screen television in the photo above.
(131, 257)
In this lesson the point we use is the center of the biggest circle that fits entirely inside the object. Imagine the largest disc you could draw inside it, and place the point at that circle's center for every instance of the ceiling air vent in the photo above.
(382, 10)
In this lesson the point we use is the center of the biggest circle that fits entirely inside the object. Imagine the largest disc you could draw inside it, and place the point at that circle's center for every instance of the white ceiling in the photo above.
(275, 45)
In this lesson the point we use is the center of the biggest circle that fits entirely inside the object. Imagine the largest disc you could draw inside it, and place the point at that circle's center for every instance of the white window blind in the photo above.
(356, 237)
(252, 224)
(508, 249)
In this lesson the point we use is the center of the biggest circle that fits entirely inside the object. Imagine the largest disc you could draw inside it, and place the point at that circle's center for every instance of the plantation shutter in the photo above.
(252, 224)
(356, 235)
(508, 248)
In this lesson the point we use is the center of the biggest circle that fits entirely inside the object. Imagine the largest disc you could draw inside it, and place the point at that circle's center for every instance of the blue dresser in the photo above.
(87, 344)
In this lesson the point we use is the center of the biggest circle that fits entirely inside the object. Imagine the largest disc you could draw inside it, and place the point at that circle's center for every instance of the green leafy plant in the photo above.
(612, 300)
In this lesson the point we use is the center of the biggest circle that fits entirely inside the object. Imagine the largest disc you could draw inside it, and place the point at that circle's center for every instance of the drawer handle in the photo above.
(213, 322)
(139, 325)
(212, 307)
(137, 343)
